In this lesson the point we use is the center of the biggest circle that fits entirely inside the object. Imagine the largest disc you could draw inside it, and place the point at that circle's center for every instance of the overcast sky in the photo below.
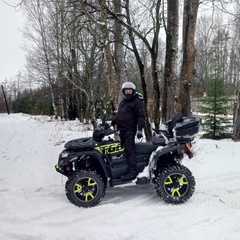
(11, 55)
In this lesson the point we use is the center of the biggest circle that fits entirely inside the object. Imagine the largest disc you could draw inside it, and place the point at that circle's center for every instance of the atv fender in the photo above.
(99, 157)
(158, 154)
(76, 155)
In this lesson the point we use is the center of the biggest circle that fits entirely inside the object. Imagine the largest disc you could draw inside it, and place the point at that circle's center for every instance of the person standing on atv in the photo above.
(130, 120)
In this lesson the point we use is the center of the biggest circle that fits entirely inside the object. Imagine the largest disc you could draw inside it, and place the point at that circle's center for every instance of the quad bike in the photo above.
(94, 163)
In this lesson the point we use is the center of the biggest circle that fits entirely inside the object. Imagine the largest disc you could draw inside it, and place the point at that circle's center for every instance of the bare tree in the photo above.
(236, 46)
(151, 43)
(140, 63)
(188, 61)
(170, 71)
(35, 11)
(118, 57)
(62, 48)
(101, 23)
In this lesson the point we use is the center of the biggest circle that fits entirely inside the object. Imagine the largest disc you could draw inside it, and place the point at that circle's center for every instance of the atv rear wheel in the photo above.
(85, 188)
(175, 184)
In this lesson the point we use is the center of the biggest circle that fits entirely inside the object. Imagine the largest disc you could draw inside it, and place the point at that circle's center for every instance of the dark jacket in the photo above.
(130, 115)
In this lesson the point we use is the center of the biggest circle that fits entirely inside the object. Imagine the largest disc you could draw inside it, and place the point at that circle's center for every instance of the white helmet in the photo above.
(128, 85)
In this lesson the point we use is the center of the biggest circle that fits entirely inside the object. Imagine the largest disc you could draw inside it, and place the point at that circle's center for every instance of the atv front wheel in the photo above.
(85, 189)
(175, 184)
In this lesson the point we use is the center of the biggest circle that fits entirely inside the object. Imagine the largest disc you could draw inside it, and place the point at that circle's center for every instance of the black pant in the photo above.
(128, 142)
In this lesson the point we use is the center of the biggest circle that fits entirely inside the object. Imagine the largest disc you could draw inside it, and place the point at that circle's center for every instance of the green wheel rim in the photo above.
(85, 189)
(176, 185)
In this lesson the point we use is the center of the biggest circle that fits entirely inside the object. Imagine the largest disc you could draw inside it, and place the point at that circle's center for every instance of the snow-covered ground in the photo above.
(33, 205)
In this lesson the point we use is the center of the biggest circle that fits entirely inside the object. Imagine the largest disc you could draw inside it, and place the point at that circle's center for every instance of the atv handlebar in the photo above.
(102, 130)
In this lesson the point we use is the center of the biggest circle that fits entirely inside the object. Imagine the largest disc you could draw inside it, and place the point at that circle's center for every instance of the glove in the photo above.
(139, 134)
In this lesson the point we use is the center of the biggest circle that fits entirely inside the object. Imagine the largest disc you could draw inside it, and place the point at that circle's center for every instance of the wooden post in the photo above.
(5, 99)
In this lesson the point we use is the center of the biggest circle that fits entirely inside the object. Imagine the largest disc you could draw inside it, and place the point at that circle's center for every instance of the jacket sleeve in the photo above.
(140, 114)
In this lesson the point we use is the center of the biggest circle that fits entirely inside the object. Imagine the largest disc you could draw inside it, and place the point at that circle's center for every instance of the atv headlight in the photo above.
(64, 154)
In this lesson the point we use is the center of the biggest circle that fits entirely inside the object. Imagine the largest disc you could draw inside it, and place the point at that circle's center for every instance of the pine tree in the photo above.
(215, 106)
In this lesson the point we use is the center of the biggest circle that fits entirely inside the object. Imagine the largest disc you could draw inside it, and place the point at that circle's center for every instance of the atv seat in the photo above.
(158, 141)
(145, 148)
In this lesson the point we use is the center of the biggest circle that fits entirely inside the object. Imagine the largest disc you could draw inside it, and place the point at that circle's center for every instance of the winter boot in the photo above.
(131, 175)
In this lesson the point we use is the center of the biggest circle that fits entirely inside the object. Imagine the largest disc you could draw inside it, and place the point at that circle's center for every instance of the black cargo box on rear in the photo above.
(188, 127)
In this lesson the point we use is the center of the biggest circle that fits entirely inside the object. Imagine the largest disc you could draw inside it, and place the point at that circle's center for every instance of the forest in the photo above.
(79, 52)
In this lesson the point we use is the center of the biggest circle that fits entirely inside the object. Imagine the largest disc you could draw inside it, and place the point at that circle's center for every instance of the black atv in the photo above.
(91, 164)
